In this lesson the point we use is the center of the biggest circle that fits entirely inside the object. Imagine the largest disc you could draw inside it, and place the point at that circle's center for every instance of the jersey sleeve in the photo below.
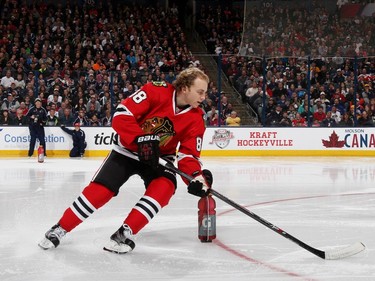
(44, 116)
(66, 130)
(30, 112)
(127, 113)
(188, 156)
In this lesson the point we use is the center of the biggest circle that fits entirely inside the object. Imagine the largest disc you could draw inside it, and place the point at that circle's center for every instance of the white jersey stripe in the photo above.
(181, 156)
(122, 110)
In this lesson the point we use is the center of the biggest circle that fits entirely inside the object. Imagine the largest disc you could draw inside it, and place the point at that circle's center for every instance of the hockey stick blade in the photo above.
(341, 253)
(333, 254)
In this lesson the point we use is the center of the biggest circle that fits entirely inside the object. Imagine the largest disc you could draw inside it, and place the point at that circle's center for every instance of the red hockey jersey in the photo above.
(153, 110)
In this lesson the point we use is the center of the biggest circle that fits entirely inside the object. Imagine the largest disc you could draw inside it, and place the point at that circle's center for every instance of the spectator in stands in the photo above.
(367, 93)
(52, 118)
(242, 83)
(55, 97)
(5, 118)
(20, 81)
(291, 112)
(85, 47)
(360, 102)
(213, 94)
(7, 80)
(93, 100)
(24, 108)
(94, 121)
(270, 106)
(365, 120)
(283, 102)
(338, 94)
(285, 121)
(369, 111)
(279, 91)
(372, 105)
(223, 105)
(318, 104)
(299, 121)
(340, 107)
(92, 111)
(233, 119)
(323, 100)
(346, 121)
(10, 104)
(20, 119)
(213, 120)
(107, 119)
(275, 116)
(227, 111)
(252, 94)
(170, 77)
(329, 121)
(206, 104)
(81, 119)
(319, 115)
(336, 114)
(66, 118)
(80, 105)
(211, 113)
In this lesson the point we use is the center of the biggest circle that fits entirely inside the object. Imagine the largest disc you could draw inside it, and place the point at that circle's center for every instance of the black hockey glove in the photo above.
(201, 184)
(148, 149)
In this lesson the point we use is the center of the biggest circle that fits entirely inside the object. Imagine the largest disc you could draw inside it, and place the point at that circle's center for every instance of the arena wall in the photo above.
(223, 141)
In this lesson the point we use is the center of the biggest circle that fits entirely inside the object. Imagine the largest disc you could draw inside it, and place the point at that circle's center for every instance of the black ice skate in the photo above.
(121, 242)
(52, 237)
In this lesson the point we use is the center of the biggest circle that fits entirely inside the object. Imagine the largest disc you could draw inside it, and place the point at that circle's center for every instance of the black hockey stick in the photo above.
(333, 254)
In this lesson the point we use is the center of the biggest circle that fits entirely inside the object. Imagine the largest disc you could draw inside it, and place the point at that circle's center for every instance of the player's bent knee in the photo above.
(162, 190)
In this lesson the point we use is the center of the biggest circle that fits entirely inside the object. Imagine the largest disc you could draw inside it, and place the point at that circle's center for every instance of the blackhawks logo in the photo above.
(221, 138)
(163, 127)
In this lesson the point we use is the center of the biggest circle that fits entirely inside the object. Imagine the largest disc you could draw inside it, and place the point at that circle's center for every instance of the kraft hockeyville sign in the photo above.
(218, 141)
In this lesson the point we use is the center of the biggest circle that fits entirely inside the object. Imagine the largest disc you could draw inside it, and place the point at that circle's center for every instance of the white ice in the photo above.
(324, 202)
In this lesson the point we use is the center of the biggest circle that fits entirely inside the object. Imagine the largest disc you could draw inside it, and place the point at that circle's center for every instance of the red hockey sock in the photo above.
(92, 198)
(157, 195)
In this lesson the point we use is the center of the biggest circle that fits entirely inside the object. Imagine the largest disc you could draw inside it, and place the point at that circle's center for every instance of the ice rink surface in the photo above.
(325, 202)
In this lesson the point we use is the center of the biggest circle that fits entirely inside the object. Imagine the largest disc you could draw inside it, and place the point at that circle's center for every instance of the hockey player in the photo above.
(79, 140)
(152, 122)
(37, 119)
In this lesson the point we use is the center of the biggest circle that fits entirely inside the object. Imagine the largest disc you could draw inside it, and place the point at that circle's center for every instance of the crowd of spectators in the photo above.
(292, 39)
(81, 61)
(219, 111)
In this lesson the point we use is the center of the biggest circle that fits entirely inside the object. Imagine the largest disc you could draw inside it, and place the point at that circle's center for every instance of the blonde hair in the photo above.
(187, 77)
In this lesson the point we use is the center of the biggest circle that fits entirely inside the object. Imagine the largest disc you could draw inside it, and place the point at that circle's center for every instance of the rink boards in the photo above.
(223, 141)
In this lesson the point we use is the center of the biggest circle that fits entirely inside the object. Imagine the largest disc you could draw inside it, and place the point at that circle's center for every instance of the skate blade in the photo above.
(114, 251)
(46, 244)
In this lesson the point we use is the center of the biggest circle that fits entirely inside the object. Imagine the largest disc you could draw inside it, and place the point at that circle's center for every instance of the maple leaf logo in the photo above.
(333, 141)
